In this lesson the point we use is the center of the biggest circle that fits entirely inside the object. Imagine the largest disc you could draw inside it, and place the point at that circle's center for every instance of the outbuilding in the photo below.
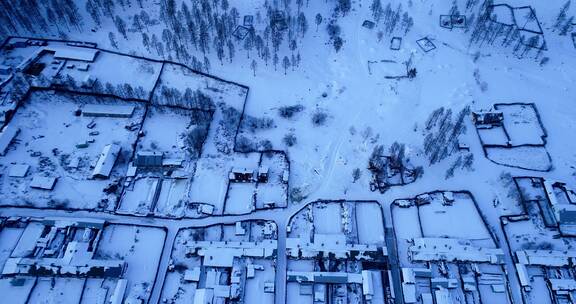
(106, 161)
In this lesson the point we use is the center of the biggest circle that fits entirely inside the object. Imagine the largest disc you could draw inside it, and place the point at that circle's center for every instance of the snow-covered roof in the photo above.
(106, 161)
(446, 249)
(18, 170)
(73, 53)
(550, 258)
(203, 296)
(324, 277)
(192, 275)
(43, 182)
(108, 110)
(119, 291)
(523, 275)
(443, 296)
(6, 137)
(563, 284)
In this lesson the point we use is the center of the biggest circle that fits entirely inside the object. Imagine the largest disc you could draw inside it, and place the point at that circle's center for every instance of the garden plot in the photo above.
(408, 232)
(97, 290)
(120, 75)
(141, 248)
(55, 142)
(173, 198)
(182, 87)
(274, 192)
(359, 222)
(461, 219)
(327, 218)
(236, 258)
(526, 157)
(177, 133)
(522, 123)
(177, 81)
(17, 288)
(210, 182)
(9, 237)
(141, 197)
(58, 290)
(387, 69)
(240, 198)
(493, 136)
(367, 218)
(456, 209)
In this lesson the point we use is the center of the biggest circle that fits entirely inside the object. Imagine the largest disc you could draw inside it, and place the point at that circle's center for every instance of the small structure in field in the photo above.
(426, 44)
(368, 24)
(395, 43)
(18, 170)
(248, 21)
(43, 182)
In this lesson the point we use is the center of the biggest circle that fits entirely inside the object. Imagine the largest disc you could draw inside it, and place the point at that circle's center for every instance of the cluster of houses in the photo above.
(441, 265)
(544, 262)
(366, 279)
(226, 268)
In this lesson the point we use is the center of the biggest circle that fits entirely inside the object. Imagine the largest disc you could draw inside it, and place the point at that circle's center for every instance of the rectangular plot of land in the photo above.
(493, 136)
(370, 223)
(172, 200)
(460, 220)
(327, 218)
(240, 199)
(530, 158)
(65, 290)
(140, 199)
(522, 124)
(16, 289)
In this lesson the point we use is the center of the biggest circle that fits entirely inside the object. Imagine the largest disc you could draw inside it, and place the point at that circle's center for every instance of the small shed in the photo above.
(192, 275)
(395, 43)
(18, 170)
(269, 287)
(248, 21)
(206, 209)
(239, 230)
(106, 161)
(43, 182)
(368, 24)
(149, 159)
(240, 32)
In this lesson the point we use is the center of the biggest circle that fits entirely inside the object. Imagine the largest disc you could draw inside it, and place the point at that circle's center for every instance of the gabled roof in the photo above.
(106, 161)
